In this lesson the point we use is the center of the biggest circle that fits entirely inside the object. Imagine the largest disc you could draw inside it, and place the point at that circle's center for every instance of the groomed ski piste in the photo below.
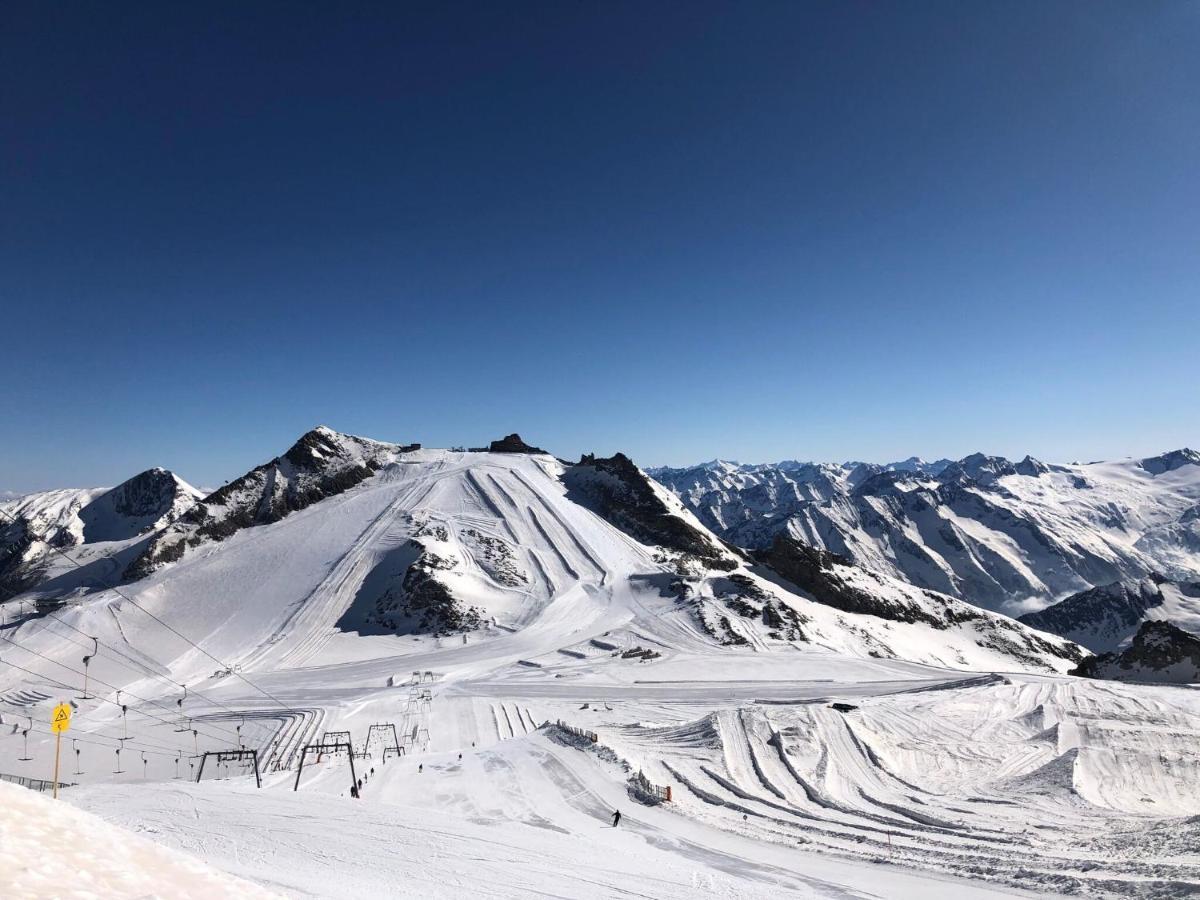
(953, 768)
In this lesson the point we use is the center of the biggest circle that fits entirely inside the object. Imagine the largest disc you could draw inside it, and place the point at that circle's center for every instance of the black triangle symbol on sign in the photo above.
(60, 716)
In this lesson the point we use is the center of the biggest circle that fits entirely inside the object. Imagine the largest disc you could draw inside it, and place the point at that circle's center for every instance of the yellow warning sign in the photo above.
(61, 720)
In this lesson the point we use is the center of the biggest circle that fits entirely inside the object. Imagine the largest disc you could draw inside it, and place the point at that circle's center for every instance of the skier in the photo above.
(354, 791)
(616, 818)
(460, 757)
(420, 768)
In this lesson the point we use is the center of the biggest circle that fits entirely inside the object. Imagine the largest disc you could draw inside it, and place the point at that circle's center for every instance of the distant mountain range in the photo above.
(1007, 536)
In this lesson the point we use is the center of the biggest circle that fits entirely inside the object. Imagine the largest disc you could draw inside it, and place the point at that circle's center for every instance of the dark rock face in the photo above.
(512, 444)
(619, 492)
(1169, 462)
(148, 494)
(812, 571)
(825, 577)
(978, 467)
(1031, 467)
(131, 507)
(423, 603)
(1160, 652)
(16, 538)
(1111, 607)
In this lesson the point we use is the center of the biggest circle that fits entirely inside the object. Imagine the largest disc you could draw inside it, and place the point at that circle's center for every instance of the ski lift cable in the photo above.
(128, 744)
(13, 593)
(69, 688)
(111, 687)
(169, 628)
(138, 666)
(32, 727)
(120, 706)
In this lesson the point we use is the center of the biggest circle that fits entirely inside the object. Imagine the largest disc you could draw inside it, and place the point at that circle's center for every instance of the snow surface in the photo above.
(53, 850)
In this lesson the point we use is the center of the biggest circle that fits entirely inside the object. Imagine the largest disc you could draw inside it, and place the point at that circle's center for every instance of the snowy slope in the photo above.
(1020, 784)
(51, 850)
(1002, 535)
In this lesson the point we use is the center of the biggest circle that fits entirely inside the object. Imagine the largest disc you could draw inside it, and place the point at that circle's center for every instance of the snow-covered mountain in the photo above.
(322, 463)
(1107, 618)
(1001, 535)
(345, 535)
(814, 719)
(31, 525)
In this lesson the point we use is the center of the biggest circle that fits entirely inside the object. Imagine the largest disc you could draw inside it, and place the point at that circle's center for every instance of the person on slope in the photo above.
(616, 818)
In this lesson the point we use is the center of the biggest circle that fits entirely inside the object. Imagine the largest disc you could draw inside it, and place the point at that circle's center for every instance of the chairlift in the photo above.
(25, 735)
(118, 770)
(86, 662)
(75, 747)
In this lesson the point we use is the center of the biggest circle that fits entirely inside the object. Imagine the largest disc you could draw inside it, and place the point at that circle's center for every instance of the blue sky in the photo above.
(684, 230)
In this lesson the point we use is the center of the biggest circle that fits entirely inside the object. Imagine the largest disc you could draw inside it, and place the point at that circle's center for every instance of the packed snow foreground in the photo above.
(515, 647)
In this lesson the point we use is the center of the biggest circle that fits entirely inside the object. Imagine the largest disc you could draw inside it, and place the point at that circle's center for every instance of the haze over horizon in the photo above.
(821, 231)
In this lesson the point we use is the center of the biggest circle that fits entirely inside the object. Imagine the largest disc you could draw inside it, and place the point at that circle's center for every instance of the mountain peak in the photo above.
(978, 467)
(1168, 462)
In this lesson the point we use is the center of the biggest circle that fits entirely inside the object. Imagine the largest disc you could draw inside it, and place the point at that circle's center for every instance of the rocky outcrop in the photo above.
(149, 500)
(1160, 652)
(1169, 462)
(1102, 617)
(814, 572)
(423, 602)
(512, 444)
(619, 492)
(833, 581)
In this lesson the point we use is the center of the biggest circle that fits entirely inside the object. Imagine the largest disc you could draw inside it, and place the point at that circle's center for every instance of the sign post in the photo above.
(59, 722)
